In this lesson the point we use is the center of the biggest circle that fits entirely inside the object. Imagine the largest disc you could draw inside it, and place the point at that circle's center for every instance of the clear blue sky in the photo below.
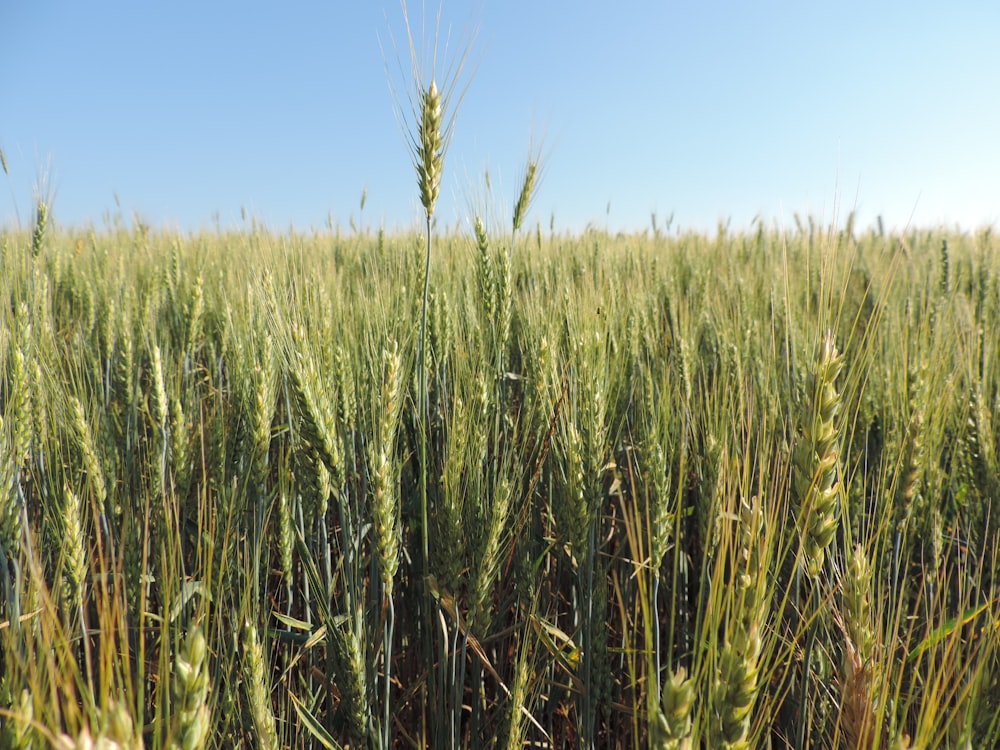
(187, 110)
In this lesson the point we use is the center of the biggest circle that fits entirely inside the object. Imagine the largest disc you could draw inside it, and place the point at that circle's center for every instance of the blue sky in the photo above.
(188, 111)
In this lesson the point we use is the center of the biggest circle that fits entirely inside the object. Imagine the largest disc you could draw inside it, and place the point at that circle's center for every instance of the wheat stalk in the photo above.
(488, 564)
(258, 691)
(347, 403)
(285, 540)
(504, 299)
(15, 452)
(88, 454)
(518, 697)
(384, 501)
(353, 680)
(19, 730)
(108, 333)
(529, 186)
(23, 401)
(383, 469)
(180, 448)
(670, 729)
(196, 311)
(485, 273)
(857, 699)
(117, 732)
(75, 548)
(10, 511)
(262, 413)
(461, 489)
(736, 683)
(572, 506)
(736, 686)
(430, 147)
(190, 692)
(908, 484)
(817, 478)
(41, 223)
(318, 412)
(433, 112)
(161, 414)
(160, 404)
(856, 598)
(661, 519)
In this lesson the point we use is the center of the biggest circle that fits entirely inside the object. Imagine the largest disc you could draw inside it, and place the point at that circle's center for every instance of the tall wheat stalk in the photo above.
(818, 475)
(258, 691)
(817, 485)
(385, 503)
(429, 133)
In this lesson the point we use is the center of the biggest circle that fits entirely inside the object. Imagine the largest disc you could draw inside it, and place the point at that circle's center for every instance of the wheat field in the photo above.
(652, 490)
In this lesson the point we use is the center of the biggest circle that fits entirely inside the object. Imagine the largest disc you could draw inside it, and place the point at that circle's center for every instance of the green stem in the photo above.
(587, 602)
(423, 419)
(805, 714)
(423, 405)
(387, 652)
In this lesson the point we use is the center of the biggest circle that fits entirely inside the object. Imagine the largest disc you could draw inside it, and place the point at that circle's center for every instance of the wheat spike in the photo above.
(41, 222)
(257, 690)
(190, 693)
(75, 547)
(354, 679)
(285, 537)
(430, 148)
(91, 464)
(180, 448)
(117, 733)
(488, 566)
(318, 411)
(671, 727)
(736, 686)
(384, 469)
(524, 198)
(160, 405)
(816, 458)
(262, 414)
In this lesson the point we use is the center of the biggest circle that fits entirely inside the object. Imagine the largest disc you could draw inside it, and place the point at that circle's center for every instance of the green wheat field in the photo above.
(666, 490)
